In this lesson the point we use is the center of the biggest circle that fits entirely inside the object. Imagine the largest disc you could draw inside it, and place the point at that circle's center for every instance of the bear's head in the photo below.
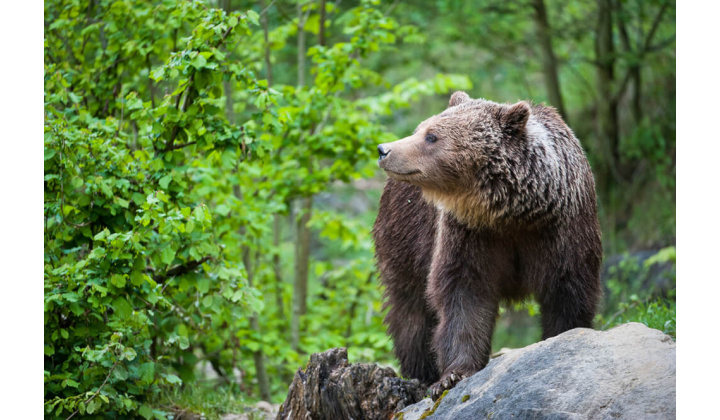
(447, 151)
(451, 154)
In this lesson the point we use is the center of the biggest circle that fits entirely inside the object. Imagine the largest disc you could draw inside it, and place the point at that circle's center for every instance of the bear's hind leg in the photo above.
(570, 303)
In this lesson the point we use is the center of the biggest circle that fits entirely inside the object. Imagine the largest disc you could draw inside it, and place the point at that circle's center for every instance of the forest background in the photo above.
(210, 179)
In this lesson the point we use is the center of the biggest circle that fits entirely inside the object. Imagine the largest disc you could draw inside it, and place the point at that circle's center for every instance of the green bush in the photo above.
(630, 301)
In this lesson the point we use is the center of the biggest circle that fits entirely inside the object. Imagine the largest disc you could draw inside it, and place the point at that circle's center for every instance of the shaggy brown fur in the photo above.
(485, 203)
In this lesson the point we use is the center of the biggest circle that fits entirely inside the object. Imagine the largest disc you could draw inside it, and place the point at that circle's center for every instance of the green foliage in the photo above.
(656, 313)
(206, 400)
(629, 300)
(159, 206)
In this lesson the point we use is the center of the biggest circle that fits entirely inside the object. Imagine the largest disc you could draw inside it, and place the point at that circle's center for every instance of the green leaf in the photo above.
(118, 280)
(129, 353)
(102, 235)
(92, 406)
(167, 255)
(199, 62)
(106, 189)
(253, 346)
(134, 103)
(253, 17)
(145, 411)
(203, 285)
(222, 209)
(173, 379)
(183, 342)
(165, 181)
(199, 214)
(120, 373)
(122, 307)
(71, 383)
(147, 372)
(49, 153)
(137, 278)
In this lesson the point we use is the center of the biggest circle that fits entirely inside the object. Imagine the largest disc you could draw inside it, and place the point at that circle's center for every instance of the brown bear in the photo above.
(485, 203)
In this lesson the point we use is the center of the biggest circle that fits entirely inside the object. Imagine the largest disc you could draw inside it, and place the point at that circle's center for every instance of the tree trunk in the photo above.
(607, 116)
(552, 83)
(276, 266)
(301, 45)
(258, 358)
(277, 225)
(634, 76)
(636, 100)
(302, 240)
(302, 260)
(332, 388)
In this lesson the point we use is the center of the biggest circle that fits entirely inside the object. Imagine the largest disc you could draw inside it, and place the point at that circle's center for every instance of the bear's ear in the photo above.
(516, 117)
(457, 98)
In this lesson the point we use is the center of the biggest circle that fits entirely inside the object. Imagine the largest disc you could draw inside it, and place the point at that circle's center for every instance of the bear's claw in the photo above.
(445, 383)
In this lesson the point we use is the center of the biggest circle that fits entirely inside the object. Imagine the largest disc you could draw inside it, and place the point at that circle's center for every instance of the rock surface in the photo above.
(263, 410)
(627, 372)
(331, 388)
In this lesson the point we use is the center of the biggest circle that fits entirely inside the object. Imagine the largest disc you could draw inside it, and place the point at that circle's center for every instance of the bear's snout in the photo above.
(399, 159)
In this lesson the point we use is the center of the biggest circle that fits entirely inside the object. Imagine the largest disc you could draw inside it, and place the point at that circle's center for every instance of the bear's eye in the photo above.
(430, 138)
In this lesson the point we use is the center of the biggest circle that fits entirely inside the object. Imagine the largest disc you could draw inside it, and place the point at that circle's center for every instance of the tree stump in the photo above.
(331, 388)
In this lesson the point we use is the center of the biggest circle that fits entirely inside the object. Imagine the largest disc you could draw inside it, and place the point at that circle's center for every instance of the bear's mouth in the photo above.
(389, 172)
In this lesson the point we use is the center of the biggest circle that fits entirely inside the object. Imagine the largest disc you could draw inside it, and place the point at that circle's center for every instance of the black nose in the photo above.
(382, 152)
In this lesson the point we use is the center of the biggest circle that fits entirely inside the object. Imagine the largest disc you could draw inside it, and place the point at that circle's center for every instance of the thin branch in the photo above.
(151, 88)
(655, 26)
(618, 313)
(180, 146)
(392, 7)
(98, 391)
(169, 146)
(122, 115)
(62, 194)
(176, 129)
(624, 38)
(646, 47)
(353, 306)
(267, 7)
(179, 270)
(662, 44)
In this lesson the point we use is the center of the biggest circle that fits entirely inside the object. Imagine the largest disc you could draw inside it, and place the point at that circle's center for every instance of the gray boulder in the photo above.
(627, 372)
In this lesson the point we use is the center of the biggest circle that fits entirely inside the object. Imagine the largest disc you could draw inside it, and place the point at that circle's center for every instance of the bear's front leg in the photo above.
(462, 339)
(462, 290)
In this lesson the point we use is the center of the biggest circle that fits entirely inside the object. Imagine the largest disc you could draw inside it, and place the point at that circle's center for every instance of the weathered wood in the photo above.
(331, 388)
